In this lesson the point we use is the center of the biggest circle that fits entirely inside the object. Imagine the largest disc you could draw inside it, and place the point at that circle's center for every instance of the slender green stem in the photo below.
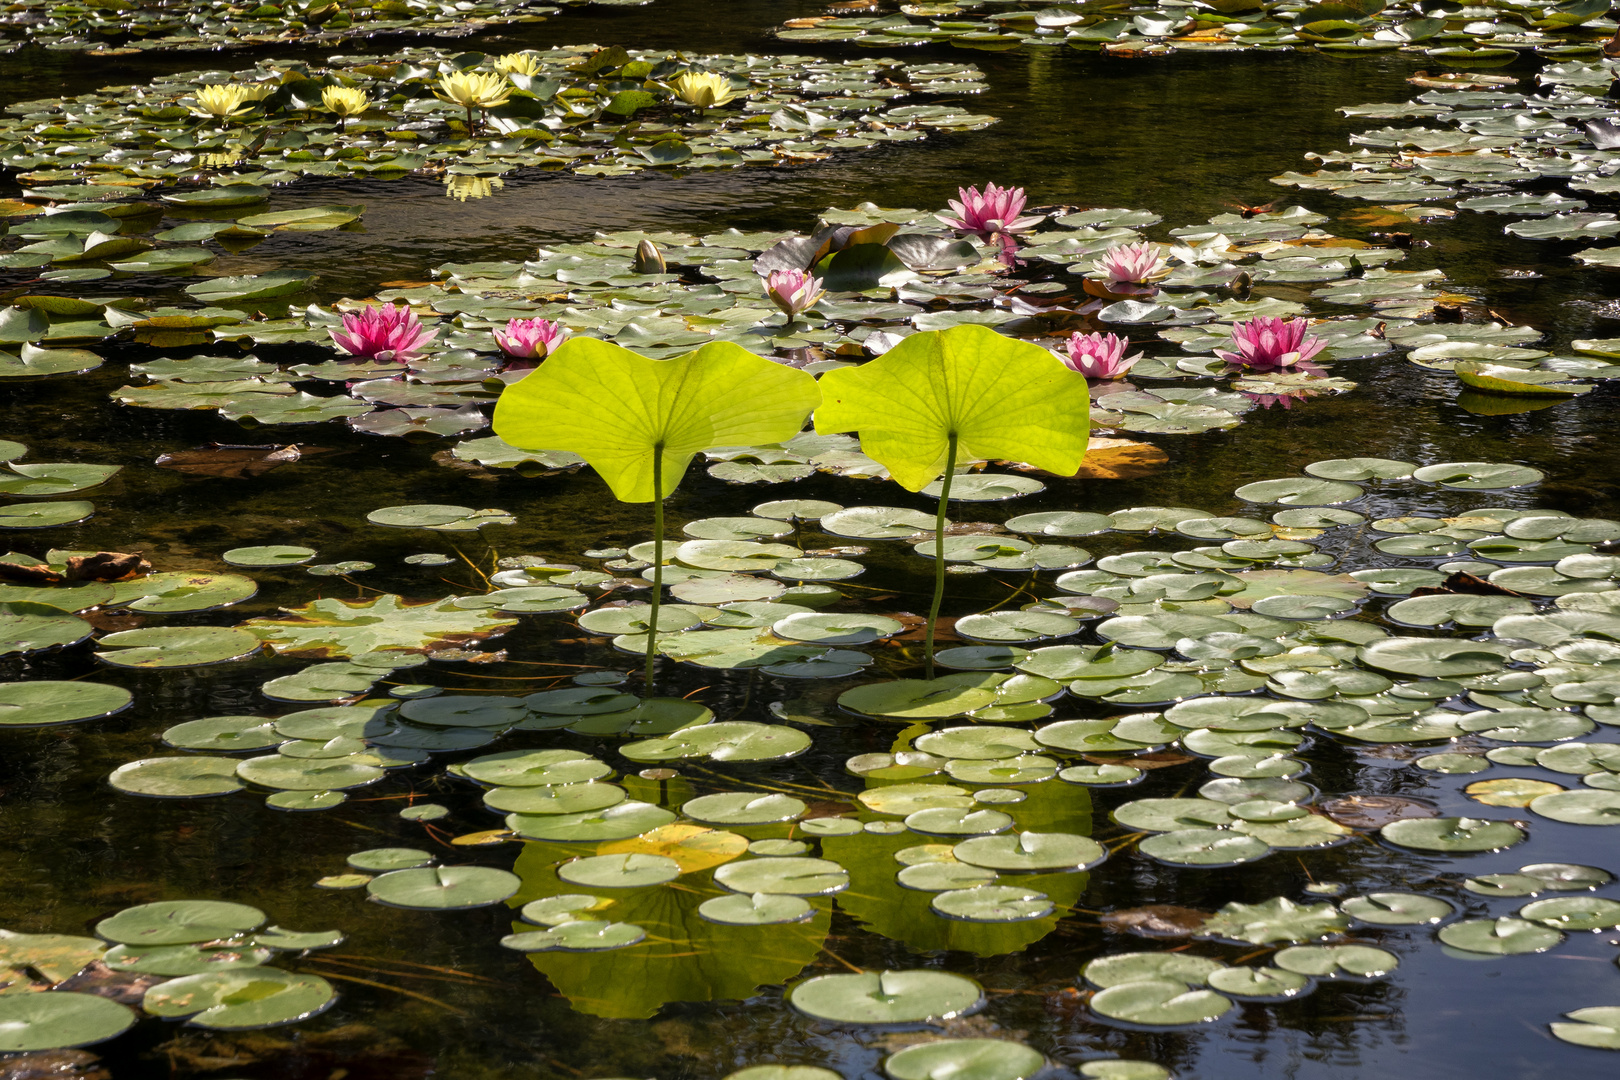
(939, 553)
(658, 560)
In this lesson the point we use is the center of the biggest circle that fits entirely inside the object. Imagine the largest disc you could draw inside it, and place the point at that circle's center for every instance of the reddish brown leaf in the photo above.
(29, 575)
(1467, 584)
(107, 566)
(1376, 811)
(1159, 759)
(235, 462)
(1156, 921)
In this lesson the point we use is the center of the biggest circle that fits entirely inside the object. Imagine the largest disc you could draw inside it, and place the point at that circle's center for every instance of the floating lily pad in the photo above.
(188, 777)
(176, 646)
(59, 1020)
(964, 1059)
(31, 704)
(886, 997)
(240, 999)
(1500, 937)
(1159, 1003)
(444, 888)
(179, 922)
(1453, 834)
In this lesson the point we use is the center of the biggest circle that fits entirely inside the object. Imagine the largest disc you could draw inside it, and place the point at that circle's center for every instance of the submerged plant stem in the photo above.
(939, 553)
(658, 559)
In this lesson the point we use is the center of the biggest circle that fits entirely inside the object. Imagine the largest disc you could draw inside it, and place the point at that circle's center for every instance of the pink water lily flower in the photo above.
(530, 339)
(1267, 343)
(383, 333)
(995, 211)
(1099, 356)
(793, 291)
(1131, 264)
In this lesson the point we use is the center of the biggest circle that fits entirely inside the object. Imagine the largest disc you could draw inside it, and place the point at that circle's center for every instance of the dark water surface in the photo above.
(1175, 136)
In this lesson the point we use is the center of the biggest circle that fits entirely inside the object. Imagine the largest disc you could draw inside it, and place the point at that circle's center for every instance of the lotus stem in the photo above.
(658, 559)
(939, 553)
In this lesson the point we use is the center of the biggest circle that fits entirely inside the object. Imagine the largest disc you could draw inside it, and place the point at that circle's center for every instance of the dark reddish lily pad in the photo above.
(235, 462)
(124, 987)
(1159, 759)
(1376, 811)
(1156, 921)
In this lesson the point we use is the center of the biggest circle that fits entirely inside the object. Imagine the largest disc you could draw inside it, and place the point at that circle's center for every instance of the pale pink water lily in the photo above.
(1267, 343)
(530, 339)
(1099, 356)
(383, 333)
(1131, 264)
(994, 211)
(793, 291)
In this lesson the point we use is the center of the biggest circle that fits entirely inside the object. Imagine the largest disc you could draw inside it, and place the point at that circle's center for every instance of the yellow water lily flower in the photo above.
(345, 101)
(222, 100)
(518, 63)
(474, 90)
(702, 89)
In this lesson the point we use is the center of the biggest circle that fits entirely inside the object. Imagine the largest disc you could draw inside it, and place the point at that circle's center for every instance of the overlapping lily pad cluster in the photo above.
(592, 111)
(1454, 33)
(202, 961)
(124, 27)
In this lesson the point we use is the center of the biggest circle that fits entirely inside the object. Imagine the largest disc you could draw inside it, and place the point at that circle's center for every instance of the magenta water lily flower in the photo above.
(383, 333)
(994, 211)
(1267, 343)
(1131, 264)
(1099, 356)
(530, 339)
(793, 291)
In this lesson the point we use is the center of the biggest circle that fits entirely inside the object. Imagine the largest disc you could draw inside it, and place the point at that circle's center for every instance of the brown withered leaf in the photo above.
(1376, 811)
(235, 462)
(1466, 584)
(125, 987)
(107, 566)
(53, 1065)
(29, 575)
(469, 656)
(1112, 459)
(108, 623)
(1156, 921)
(916, 626)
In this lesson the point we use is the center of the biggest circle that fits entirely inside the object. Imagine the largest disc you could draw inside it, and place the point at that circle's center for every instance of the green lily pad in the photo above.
(179, 922)
(185, 777)
(759, 909)
(59, 1020)
(335, 629)
(1579, 807)
(1322, 961)
(377, 860)
(1277, 919)
(31, 704)
(1203, 847)
(44, 515)
(992, 904)
(791, 876)
(1397, 909)
(439, 518)
(885, 997)
(240, 999)
(1499, 937)
(1452, 834)
(964, 1059)
(1159, 1003)
(292, 774)
(623, 871)
(444, 888)
(176, 646)
(1478, 475)
(743, 808)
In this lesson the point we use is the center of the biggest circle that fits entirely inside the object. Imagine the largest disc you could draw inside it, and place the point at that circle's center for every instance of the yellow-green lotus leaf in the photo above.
(1001, 398)
(616, 408)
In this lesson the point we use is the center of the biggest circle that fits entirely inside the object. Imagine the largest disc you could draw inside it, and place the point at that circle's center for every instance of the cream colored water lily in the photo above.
(474, 90)
(222, 100)
(518, 63)
(703, 89)
(345, 101)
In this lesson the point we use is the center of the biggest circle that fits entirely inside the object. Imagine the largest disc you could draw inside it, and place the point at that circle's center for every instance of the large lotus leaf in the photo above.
(335, 629)
(616, 409)
(1000, 398)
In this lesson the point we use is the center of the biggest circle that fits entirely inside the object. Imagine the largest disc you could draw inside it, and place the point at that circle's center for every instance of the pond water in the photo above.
(425, 992)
